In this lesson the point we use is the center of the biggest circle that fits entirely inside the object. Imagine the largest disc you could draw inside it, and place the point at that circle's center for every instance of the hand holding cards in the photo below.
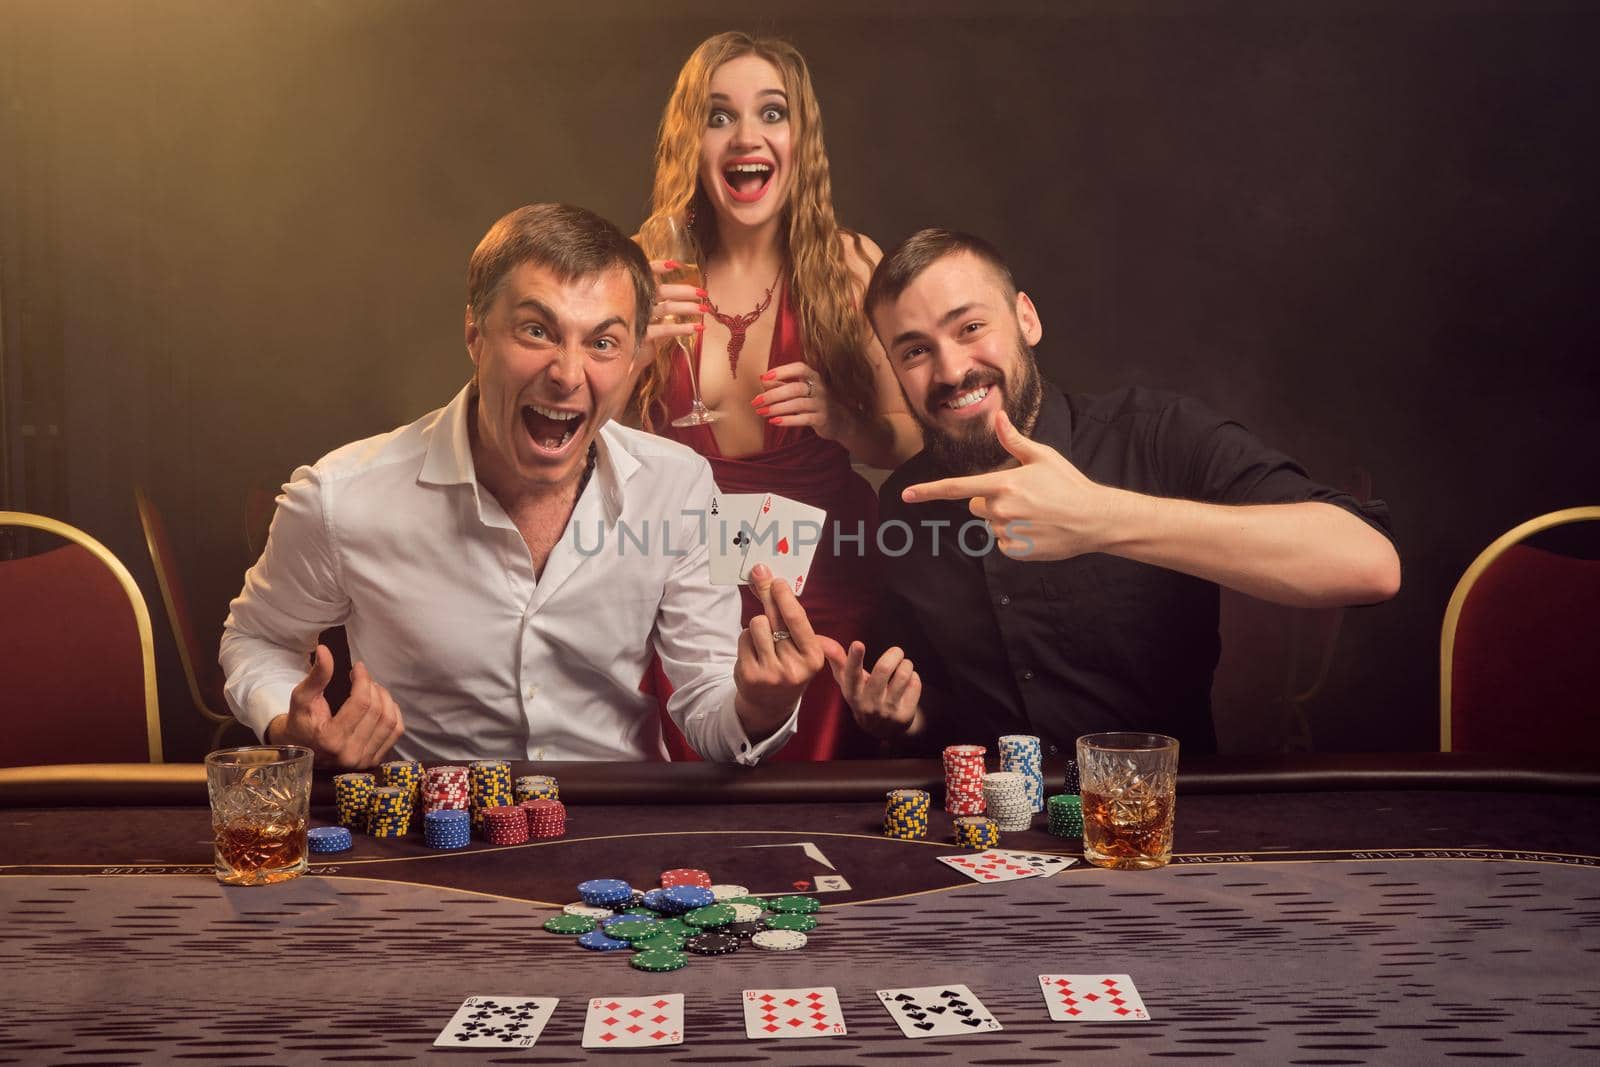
(748, 529)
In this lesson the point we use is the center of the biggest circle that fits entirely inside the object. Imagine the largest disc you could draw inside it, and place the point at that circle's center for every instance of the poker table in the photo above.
(1319, 909)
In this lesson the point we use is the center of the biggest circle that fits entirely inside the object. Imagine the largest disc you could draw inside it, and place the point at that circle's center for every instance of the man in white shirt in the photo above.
(505, 566)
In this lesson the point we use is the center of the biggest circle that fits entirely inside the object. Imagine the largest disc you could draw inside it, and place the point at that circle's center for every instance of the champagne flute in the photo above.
(681, 248)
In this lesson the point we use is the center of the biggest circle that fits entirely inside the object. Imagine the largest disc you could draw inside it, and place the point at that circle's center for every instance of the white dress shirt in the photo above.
(394, 538)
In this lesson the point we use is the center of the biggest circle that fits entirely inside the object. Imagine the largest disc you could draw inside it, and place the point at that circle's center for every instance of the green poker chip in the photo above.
(710, 916)
(795, 905)
(670, 941)
(659, 959)
(675, 927)
(632, 930)
(757, 901)
(571, 925)
(791, 921)
(643, 912)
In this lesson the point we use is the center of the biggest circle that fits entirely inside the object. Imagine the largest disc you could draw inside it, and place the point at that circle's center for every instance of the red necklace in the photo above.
(738, 325)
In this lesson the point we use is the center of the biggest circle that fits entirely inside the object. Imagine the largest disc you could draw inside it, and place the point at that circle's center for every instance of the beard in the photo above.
(978, 450)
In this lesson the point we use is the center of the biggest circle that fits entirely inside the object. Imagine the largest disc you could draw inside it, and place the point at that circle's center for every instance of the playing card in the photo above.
(729, 521)
(812, 1012)
(634, 1022)
(994, 865)
(830, 883)
(497, 1022)
(786, 537)
(1042, 862)
(937, 1010)
(1092, 998)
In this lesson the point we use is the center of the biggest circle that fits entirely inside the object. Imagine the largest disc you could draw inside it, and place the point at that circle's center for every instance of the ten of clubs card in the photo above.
(497, 1022)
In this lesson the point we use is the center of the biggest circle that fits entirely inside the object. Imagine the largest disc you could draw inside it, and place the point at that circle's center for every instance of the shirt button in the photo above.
(1027, 676)
(539, 755)
(528, 692)
(1004, 600)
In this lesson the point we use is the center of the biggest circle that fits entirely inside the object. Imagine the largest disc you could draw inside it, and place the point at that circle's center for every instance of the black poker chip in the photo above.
(1070, 779)
(745, 931)
(712, 944)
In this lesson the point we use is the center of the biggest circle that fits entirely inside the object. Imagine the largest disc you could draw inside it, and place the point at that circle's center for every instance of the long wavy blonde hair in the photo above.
(826, 295)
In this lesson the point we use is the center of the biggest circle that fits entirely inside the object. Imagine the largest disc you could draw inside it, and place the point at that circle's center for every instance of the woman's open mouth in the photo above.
(747, 179)
(552, 429)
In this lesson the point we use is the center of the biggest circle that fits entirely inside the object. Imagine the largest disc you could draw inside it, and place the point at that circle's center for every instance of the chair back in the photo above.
(1519, 652)
(200, 666)
(77, 662)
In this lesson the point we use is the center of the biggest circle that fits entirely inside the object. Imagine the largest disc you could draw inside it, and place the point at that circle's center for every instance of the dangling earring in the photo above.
(691, 214)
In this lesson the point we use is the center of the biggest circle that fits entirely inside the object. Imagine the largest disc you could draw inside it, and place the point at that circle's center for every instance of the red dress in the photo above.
(841, 588)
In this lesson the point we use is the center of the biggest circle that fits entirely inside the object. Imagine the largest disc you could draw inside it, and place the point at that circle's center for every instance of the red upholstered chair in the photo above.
(199, 658)
(77, 663)
(1519, 655)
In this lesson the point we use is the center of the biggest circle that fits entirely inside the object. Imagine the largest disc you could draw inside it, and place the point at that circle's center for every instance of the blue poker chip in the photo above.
(604, 892)
(652, 899)
(597, 941)
(684, 898)
(328, 838)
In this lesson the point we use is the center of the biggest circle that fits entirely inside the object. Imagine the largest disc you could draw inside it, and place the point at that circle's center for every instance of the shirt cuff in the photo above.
(265, 703)
(748, 753)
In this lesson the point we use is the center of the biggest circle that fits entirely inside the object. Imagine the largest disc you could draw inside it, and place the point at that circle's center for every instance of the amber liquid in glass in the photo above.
(260, 852)
(1128, 832)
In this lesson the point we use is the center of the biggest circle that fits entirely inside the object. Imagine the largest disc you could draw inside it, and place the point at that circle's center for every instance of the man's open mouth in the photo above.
(747, 179)
(552, 429)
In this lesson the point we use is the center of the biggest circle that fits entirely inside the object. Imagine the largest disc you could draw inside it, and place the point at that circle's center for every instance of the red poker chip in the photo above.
(685, 876)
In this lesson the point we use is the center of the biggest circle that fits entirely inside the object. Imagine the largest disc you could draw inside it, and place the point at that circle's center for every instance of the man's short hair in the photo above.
(921, 250)
(572, 242)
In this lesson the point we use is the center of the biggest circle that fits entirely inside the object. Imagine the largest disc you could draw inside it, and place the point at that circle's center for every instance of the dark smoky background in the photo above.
(234, 236)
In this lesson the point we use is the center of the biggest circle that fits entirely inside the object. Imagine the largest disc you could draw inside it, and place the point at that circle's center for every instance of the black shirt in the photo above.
(1097, 642)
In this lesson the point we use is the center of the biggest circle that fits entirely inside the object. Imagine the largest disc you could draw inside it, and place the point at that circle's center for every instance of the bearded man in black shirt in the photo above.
(1052, 560)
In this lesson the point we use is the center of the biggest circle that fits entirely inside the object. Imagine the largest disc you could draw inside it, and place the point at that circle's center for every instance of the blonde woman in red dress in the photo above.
(785, 359)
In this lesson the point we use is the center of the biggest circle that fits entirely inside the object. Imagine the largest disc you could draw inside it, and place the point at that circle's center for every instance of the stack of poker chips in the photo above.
(404, 774)
(963, 779)
(1066, 815)
(447, 828)
(686, 876)
(537, 787)
(1005, 796)
(1071, 783)
(546, 818)
(906, 814)
(977, 832)
(391, 812)
(1023, 754)
(352, 795)
(446, 788)
(491, 787)
(505, 824)
(328, 838)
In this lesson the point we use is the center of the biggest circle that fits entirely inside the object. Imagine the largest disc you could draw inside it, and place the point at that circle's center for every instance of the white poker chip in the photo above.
(726, 892)
(588, 911)
(779, 940)
(747, 913)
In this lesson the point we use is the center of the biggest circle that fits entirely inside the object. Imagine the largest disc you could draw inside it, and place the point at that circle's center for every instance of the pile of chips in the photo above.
(977, 832)
(1024, 754)
(447, 828)
(1071, 784)
(963, 779)
(403, 774)
(1005, 796)
(391, 812)
(446, 788)
(505, 824)
(491, 788)
(1066, 815)
(547, 817)
(905, 814)
(328, 838)
(352, 796)
(687, 914)
(537, 787)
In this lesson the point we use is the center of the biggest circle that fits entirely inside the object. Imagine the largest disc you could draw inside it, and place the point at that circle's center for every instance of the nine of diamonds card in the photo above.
(1092, 998)
(634, 1022)
(937, 1011)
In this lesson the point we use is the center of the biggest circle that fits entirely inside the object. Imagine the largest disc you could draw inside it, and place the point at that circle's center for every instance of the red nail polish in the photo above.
(777, 421)
(705, 308)
(767, 377)
(701, 293)
(699, 327)
(671, 264)
(762, 411)
(760, 401)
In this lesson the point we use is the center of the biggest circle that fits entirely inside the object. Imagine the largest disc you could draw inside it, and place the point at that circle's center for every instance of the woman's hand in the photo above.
(796, 396)
(684, 304)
